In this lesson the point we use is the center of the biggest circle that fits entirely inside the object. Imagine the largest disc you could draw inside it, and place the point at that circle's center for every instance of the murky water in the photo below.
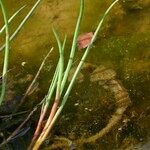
(123, 45)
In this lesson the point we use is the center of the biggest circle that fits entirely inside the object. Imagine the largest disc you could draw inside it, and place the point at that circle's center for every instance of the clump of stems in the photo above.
(60, 79)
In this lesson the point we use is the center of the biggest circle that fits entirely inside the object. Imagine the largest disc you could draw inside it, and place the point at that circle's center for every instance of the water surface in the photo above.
(123, 45)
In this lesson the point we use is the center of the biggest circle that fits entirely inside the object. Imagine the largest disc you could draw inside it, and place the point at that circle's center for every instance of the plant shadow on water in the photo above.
(123, 46)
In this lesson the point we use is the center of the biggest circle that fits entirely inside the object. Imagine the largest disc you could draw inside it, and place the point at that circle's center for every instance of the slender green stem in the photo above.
(11, 18)
(52, 87)
(60, 65)
(74, 44)
(6, 56)
(22, 23)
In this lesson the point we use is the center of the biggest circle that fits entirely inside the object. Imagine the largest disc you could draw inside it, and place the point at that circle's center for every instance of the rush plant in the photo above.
(8, 39)
(59, 80)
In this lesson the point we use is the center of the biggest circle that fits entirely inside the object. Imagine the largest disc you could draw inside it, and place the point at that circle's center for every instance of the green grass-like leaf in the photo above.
(6, 55)
(12, 17)
(22, 23)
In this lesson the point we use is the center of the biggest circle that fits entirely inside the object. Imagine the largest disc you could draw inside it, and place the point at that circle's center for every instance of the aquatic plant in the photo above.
(59, 81)
(8, 39)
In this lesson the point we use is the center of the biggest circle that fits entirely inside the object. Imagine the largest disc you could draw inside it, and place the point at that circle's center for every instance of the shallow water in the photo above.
(123, 45)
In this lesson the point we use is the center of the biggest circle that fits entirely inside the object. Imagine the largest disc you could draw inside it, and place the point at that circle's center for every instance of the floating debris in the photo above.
(23, 63)
(76, 104)
(84, 40)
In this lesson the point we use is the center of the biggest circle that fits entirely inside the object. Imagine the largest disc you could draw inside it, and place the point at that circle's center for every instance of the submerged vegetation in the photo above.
(59, 90)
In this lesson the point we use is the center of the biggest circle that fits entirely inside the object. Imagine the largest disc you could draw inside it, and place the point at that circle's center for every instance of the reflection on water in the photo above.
(123, 44)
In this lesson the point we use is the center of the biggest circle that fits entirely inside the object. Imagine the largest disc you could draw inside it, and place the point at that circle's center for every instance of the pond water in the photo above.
(122, 45)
